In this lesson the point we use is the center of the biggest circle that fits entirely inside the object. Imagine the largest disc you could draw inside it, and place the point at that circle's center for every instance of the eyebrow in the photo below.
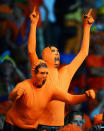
(43, 72)
(52, 49)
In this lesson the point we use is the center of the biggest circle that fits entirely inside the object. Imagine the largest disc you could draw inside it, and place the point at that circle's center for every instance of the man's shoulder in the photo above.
(26, 82)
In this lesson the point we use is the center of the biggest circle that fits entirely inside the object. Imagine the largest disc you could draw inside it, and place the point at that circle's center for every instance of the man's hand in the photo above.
(98, 119)
(34, 16)
(90, 94)
(89, 18)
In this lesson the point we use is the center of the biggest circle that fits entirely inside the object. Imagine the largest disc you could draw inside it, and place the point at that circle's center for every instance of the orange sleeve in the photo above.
(70, 127)
(78, 60)
(17, 92)
(68, 98)
(98, 119)
(87, 125)
(32, 45)
(4, 107)
(5, 9)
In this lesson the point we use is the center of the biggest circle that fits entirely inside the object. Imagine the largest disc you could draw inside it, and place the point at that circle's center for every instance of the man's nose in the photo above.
(57, 53)
(45, 75)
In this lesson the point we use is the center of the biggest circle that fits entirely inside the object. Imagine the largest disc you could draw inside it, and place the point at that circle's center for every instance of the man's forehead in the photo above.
(43, 69)
(53, 47)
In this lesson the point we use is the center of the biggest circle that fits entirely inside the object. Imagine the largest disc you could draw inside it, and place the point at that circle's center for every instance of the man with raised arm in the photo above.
(54, 113)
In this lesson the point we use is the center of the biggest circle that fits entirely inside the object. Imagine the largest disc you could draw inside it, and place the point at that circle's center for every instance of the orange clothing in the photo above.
(87, 125)
(54, 113)
(29, 103)
(70, 127)
(4, 107)
(95, 82)
(95, 61)
(5, 9)
(98, 119)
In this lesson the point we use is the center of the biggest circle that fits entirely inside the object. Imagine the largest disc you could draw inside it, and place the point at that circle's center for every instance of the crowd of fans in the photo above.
(60, 24)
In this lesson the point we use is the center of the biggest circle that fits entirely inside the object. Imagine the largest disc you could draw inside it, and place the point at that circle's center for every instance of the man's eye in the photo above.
(42, 73)
(47, 73)
(52, 50)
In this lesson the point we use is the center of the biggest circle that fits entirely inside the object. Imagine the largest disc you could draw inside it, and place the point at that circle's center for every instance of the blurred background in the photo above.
(60, 25)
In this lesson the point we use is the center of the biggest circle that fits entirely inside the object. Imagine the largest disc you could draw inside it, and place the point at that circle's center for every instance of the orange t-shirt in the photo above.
(71, 127)
(5, 9)
(87, 125)
(4, 107)
(94, 61)
(25, 112)
(98, 119)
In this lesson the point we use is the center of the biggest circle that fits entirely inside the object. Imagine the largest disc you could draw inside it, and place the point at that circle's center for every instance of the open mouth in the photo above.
(43, 82)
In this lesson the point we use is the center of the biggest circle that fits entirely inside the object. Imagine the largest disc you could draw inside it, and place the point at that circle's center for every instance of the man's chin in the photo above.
(56, 65)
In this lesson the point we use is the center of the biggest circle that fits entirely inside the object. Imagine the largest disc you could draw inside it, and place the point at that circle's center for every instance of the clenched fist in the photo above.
(90, 94)
(89, 18)
(34, 16)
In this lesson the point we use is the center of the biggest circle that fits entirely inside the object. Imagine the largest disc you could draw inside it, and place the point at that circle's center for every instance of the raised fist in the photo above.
(98, 119)
(90, 94)
(89, 18)
(34, 16)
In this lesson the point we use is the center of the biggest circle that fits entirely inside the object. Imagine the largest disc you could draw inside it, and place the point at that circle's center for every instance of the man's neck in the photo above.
(36, 85)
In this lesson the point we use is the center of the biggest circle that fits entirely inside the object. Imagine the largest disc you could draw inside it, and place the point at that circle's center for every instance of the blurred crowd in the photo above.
(61, 25)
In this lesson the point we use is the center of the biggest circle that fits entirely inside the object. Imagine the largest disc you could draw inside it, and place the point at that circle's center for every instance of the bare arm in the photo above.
(16, 93)
(32, 37)
(72, 99)
(78, 60)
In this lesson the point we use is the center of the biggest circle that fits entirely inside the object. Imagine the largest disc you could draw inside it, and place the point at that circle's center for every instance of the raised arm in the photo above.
(16, 93)
(72, 99)
(78, 60)
(34, 17)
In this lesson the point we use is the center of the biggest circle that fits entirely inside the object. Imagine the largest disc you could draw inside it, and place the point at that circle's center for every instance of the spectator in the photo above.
(100, 107)
(70, 127)
(76, 110)
(17, 37)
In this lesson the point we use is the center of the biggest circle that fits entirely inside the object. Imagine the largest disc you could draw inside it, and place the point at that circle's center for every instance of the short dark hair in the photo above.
(39, 66)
